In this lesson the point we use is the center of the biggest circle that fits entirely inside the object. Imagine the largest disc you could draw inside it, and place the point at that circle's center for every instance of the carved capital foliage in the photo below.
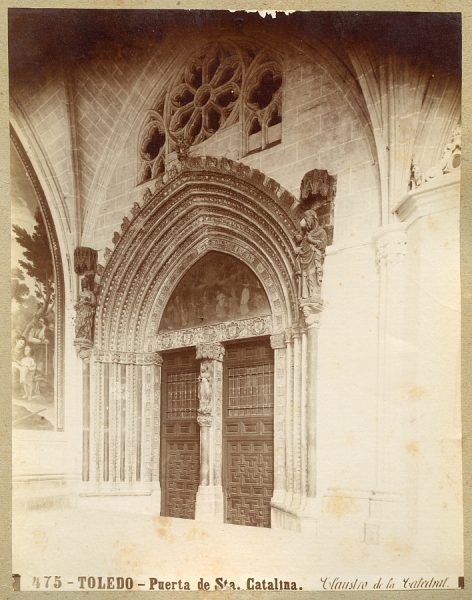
(204, 420)
(210, 350)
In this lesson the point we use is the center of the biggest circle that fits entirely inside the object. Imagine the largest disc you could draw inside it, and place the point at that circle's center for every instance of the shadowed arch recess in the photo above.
(201, 204)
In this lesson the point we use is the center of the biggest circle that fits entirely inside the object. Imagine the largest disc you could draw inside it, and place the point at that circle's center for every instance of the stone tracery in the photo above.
(220, 84)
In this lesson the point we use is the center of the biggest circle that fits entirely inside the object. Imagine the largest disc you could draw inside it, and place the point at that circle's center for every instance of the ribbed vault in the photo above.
(205, 204)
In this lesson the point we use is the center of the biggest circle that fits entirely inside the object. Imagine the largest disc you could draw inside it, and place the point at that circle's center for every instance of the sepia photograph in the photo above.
(235, 300)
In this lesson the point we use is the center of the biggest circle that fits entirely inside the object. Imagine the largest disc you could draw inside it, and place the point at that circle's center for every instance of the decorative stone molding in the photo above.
(391, 244)
(210, 351)
(214, 333)
(277, 341)
(128, 358)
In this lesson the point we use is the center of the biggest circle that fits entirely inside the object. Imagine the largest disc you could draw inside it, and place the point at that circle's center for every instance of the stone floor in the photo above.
(76, 543)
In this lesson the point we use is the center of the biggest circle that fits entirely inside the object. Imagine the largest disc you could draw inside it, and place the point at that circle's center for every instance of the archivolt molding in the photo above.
(201, 204)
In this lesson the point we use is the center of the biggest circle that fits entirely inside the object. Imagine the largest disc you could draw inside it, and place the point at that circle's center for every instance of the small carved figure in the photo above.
(85, 314)
(183, 147)
(204, 392)
(416, 177)
(125, 224)
(310, 252)
(147, 195)
(135, 209)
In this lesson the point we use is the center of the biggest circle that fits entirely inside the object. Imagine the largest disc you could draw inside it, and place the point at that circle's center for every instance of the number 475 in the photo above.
(49, 582)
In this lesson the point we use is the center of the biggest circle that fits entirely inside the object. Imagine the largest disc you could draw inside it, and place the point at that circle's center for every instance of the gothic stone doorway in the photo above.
(180, 440)
(248, 432)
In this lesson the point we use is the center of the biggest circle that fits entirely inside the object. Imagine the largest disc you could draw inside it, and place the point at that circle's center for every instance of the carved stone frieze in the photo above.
(127, 358)
(214, 333)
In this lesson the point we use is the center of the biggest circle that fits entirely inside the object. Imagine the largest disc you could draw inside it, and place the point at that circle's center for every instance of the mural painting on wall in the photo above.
(217, 288)
(32, 308)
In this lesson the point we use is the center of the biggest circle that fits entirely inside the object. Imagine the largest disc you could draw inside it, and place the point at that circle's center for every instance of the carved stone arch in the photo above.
(209, 199)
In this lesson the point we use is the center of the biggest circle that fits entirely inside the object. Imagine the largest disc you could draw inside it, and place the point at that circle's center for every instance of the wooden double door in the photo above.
(248, 433)
(180, 434)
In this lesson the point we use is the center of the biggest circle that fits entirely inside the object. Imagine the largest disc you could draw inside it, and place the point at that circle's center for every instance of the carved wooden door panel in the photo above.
(248, 432)
(180, 435)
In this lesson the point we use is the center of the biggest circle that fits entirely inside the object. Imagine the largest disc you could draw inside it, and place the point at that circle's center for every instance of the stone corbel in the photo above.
(311, 313)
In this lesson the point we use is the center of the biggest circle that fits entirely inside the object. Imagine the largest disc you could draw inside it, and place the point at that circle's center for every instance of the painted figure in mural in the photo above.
(310, 252)
(18, 352)
(221, 308)
(36, 335)
(243, 306)
(85, 314)
(27, 370)
(204, 392)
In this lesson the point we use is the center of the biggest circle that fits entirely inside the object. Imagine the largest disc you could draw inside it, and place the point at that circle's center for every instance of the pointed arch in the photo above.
(211, 204)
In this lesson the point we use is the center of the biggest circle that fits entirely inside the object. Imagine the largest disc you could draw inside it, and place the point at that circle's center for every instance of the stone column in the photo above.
(311, 312)
(209, 501)
(277, 343)
(296, 438)
(151, 405)
(392, 365)
(289, 462)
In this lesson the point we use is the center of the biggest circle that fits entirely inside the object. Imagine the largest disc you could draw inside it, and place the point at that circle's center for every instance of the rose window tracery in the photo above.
(220, 84)
(207, 94)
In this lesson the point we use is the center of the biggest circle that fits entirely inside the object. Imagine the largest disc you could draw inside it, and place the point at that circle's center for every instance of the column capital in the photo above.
(83, 348)
(277, 340)
(210, 351)
(390, 243)
(204, 419)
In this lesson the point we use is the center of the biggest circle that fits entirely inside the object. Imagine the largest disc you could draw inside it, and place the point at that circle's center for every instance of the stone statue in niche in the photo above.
(85, 265)
(311, 250)
(204, 394)
(85, 314)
